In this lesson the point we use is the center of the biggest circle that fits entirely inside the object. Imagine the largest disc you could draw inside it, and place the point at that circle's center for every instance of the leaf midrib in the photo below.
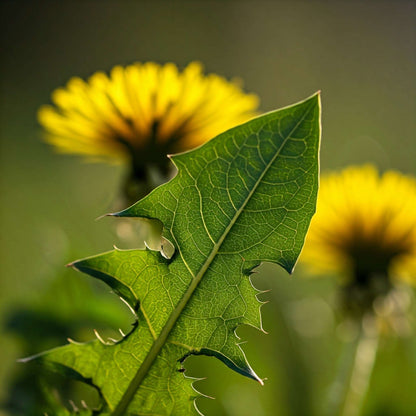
(164, 334)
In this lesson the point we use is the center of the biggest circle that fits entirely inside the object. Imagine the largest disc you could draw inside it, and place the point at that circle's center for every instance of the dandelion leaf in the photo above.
(245, 197)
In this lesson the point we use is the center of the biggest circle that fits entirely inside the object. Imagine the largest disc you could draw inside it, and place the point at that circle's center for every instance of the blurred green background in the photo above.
(361, 54)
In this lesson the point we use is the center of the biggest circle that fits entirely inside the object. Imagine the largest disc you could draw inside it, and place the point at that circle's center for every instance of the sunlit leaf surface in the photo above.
(245, 197)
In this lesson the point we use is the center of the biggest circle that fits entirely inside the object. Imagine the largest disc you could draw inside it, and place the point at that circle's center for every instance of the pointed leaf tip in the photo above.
(243, 198)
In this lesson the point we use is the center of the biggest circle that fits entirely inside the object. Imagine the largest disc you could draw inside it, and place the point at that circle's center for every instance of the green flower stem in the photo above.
(339, 387)
(365, 358)
(351, 386)
(142, 180)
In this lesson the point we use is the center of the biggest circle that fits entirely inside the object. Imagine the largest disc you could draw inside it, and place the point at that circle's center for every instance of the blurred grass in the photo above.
(360, 54)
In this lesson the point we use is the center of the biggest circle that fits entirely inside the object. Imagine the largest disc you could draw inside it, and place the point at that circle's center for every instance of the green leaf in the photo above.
(243, 198)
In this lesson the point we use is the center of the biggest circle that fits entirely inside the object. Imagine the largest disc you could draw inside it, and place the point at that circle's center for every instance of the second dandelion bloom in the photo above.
(142, 112)
(365, 226)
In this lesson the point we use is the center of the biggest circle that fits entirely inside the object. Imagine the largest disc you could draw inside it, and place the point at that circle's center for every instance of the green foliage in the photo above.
(245, 197)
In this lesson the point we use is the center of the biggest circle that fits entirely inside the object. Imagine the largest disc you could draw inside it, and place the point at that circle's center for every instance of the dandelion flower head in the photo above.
(143, 111)
(365, 226)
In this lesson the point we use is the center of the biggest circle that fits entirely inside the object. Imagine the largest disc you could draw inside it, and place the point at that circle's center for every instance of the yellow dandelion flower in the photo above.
(142, 112)
(365, 227)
